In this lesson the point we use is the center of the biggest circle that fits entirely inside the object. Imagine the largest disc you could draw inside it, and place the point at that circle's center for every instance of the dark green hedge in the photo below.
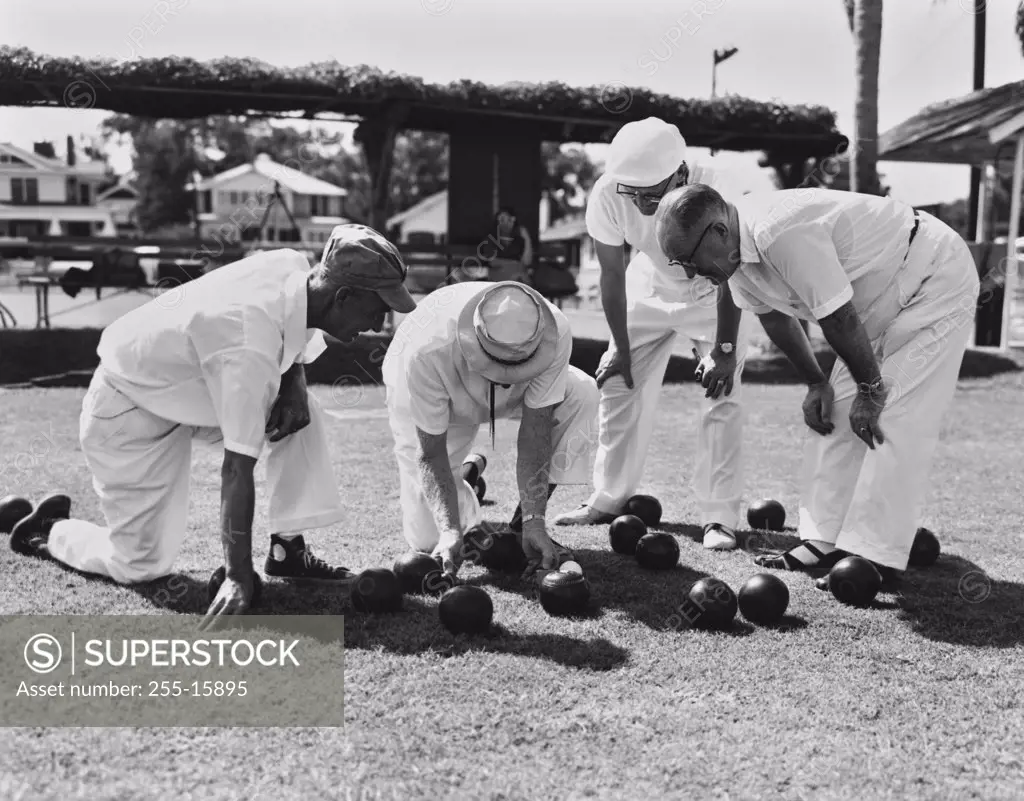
(243, 85)
(32, 356)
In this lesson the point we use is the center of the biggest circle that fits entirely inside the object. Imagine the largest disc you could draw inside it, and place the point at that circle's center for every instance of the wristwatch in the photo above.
(528, 518)
(725, 347)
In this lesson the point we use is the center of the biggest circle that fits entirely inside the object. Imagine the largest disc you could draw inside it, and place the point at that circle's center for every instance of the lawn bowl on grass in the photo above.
(763, 599)
(646, 507)
(466, 610)
(766, 514)
(564, 594)
(713, 604)
(421, 574)
(657, 551)
(497, 550)
(377, 591)
(854, 581)
(625, 532)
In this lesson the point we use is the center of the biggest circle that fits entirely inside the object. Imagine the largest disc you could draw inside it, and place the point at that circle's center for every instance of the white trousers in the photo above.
(140, 465)
(574, 439)
(655, 320)
(867, 501)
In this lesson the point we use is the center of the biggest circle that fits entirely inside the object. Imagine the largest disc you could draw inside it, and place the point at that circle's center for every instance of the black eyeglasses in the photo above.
(689, 262)
(650, 197)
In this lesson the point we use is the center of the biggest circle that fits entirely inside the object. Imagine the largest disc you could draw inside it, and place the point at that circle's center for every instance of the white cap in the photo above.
(645, 153)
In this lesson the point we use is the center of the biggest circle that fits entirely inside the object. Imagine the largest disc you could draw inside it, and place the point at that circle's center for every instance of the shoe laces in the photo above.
(311, 560)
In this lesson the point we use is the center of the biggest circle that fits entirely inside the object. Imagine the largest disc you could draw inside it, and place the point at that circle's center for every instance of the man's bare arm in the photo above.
(438, 484)
(612, 259)
(533, 462)
(789, 337)
(845, 333)
(729, 316)
(237, 505)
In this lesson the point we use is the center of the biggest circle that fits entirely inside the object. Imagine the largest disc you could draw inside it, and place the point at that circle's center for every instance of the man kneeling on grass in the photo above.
(472, 353)
(221, 360)
(895, 292)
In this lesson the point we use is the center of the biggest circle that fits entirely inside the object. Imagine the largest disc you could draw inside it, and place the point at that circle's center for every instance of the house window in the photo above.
(25, 191)
(233, 198)
(322, 206)
(206, 202)
(72, 191)
(84, 194)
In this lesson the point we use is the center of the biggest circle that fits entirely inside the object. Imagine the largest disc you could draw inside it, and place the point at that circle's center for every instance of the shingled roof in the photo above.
(955, 131)
(183, 88)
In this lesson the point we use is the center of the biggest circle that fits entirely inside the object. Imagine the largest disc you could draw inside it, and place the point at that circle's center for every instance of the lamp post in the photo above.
(720, 56)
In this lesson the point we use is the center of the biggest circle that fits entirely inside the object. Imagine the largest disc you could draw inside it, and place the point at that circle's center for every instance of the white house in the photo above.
(424, 223)
(121, 201)
(233, 203)
(42, 195)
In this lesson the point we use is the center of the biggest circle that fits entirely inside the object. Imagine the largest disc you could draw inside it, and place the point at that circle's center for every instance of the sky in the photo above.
(795, 51)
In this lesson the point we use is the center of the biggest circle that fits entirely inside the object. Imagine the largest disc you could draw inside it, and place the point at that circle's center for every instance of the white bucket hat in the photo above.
(508, 333)
(645, 153)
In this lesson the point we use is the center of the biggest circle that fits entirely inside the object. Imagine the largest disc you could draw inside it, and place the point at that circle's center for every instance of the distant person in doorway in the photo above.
(512, 247)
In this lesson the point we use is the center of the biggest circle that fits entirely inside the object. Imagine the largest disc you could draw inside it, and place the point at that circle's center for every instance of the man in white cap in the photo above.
(894, 291)
(470, 354)
(221, 361)
(648, 304)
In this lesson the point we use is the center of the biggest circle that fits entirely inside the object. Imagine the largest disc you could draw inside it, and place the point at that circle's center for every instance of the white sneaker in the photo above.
(719, 538)
(584, 516)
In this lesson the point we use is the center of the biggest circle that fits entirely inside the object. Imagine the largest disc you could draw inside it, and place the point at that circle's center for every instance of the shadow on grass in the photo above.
(956, 601)
(654, 598)
(417, 629)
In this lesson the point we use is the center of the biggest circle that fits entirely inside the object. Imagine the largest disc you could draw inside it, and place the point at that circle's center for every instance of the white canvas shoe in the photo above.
(719, 538)
(584, 516)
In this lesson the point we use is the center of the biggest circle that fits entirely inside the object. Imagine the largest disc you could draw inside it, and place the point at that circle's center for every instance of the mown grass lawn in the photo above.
(920, 697)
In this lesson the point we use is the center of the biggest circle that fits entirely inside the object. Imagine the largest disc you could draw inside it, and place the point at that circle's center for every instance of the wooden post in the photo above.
(981, 229)
(376, 135)
(1011, 242)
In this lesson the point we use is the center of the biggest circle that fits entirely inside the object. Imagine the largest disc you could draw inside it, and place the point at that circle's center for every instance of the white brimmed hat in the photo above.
(507, 333)
(645, 153)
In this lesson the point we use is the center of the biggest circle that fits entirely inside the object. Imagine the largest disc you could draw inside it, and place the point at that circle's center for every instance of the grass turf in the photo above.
(919, 697)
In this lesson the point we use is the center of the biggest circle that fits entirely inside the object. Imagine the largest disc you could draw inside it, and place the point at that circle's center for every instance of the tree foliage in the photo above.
(167, 151)
(1020, 25)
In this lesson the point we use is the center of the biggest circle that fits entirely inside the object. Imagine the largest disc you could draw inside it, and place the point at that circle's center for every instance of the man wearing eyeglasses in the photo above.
(894, 291)
(648, 303)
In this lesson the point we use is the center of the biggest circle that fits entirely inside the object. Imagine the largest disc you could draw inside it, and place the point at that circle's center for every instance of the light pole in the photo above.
(720, 56)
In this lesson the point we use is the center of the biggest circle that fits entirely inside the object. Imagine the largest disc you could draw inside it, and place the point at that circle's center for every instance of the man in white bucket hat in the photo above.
(470, 354)
(648, 304)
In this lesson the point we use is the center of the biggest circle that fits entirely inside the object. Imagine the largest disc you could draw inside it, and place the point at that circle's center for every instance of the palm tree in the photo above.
(865, 19)
(1020, 25)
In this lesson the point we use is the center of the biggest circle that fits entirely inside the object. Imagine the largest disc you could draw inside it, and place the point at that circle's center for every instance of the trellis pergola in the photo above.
(495, 132)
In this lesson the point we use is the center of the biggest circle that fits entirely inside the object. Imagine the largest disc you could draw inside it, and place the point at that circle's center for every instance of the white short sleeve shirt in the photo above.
(807, 252)
(211, 352)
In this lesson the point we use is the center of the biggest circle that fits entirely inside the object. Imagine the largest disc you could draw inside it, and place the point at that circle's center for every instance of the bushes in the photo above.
(31, 355)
